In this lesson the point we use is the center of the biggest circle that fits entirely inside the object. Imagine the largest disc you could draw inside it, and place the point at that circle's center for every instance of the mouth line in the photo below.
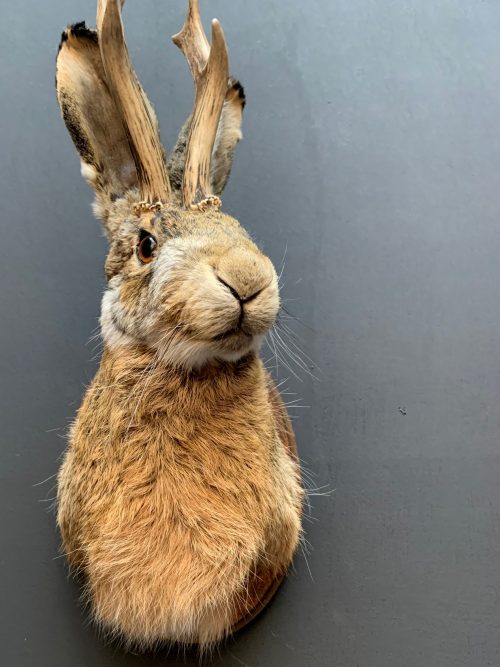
(230, 333)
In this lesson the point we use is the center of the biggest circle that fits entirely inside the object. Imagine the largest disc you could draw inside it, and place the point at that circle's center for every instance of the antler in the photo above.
(137, 114)
(210, 69)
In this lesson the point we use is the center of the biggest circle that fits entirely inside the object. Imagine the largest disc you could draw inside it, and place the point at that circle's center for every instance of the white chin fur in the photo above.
(181, 354)
(194, 355)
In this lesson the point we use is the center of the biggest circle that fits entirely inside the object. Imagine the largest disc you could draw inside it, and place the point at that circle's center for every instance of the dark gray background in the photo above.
(372, 155)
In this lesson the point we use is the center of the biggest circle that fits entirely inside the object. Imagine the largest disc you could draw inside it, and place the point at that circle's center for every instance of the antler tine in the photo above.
(210, 69)
(192, 40)
(139, 120)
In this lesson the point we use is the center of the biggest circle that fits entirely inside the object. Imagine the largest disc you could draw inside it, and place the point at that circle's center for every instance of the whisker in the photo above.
(280, 357)
(294, 356)
(45, 480)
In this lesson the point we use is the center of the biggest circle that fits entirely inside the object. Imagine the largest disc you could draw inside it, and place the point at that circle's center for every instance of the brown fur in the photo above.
(179, 498)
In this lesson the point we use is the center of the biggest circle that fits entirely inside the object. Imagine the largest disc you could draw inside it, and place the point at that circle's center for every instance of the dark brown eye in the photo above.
(146, 247)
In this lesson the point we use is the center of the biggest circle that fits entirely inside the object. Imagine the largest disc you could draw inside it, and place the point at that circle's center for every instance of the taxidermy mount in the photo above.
(179, 497)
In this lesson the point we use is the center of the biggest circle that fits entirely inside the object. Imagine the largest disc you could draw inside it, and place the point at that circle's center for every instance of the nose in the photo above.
(244, 273)
(237, 295)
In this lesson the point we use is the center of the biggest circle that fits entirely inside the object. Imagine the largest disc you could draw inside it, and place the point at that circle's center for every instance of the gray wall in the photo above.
(372, 156)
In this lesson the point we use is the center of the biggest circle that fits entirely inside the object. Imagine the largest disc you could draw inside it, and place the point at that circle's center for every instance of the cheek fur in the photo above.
(164, 270)
(131, 307)
(114, 328)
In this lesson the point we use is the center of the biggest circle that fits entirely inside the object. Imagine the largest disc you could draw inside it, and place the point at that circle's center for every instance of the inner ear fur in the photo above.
(91, 116)
(228, 135)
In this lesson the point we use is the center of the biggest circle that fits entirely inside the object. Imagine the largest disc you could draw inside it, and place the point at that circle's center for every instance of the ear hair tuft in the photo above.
(89, 173)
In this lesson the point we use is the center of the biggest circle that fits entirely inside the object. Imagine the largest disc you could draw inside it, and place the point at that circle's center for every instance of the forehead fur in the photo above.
(209, 230)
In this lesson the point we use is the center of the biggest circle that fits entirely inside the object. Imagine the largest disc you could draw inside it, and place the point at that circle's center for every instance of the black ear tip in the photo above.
(64, 38)
(239, 90)
(78, 30)
(79, 26)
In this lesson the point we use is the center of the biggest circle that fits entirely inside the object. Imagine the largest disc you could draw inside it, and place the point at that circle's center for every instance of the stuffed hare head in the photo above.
(184, 279)
(179, 496)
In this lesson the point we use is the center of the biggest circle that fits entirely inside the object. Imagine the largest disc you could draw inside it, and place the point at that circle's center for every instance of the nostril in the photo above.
(252, 296)
(231, 289)
(237, 295)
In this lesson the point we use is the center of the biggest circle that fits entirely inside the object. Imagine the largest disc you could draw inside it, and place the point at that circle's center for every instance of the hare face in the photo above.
(194, 293)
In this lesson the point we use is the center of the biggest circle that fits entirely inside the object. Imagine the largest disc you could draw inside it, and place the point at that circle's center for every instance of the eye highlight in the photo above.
(146, 247)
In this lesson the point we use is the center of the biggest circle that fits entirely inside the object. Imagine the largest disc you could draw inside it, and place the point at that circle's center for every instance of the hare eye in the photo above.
(146, 247)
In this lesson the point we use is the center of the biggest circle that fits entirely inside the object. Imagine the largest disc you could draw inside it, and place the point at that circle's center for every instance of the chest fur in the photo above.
(158, 438)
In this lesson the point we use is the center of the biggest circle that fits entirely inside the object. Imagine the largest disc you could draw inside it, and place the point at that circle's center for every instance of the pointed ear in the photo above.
(91, 117)
(228, 135)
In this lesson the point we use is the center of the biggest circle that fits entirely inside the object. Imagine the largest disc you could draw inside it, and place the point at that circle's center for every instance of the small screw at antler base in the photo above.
(203, 205)
(147, 207)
